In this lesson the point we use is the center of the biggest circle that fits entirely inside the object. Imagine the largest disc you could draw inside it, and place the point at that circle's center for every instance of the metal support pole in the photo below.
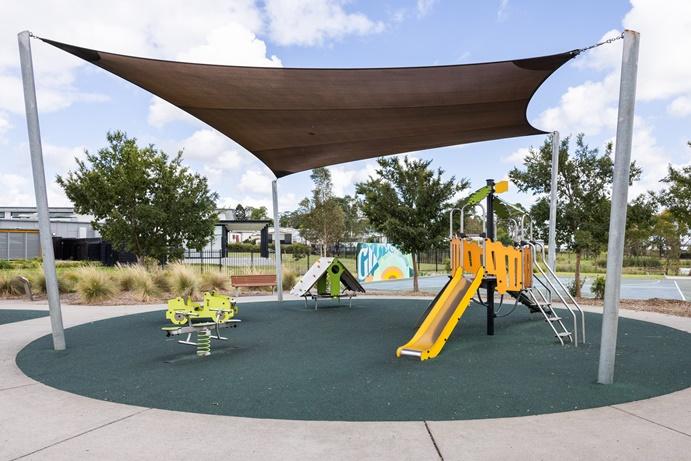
(552, 239)
(491, 281)
(277, 243)
(617, 220)
(40, 189)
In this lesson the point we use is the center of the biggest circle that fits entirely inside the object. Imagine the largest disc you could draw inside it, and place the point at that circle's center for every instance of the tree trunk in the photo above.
(577, 282)
(416, 287)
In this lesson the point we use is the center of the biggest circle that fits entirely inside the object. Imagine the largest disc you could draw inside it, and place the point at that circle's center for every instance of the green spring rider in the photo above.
(214, 312)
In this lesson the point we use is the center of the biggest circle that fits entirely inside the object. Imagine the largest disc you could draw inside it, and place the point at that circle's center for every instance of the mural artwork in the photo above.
(382, 261)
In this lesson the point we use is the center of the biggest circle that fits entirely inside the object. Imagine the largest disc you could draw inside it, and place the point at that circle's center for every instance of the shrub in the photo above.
(126, 277)
(571, 286)
(598, 288)
(5, 288)
(214, 280)
(67, 281)
(95, 285)
(146, 288)
(289, 279)
(38, 281)
(182, 280)
(5, 264)
(160, 279)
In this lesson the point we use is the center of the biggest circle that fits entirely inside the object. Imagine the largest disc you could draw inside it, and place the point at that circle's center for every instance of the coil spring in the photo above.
(204, 343)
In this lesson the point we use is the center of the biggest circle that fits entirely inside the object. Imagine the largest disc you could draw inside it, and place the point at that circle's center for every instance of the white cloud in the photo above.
(425, 6)
(162, 112)
(313, 22)
(5, 126)
(503, 10)
(516, 157)
(287, 201)
(255, 181)
(16, 190)
(663, 75)
(214, 150)
(61, 158)
(344, 178)
(680, 106)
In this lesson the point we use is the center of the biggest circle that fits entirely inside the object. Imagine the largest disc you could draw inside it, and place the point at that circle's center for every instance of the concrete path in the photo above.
(39, 422)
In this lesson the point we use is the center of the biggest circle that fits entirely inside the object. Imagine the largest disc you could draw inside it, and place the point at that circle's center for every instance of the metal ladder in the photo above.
(558, 285)
(555, 322)
(551, 283)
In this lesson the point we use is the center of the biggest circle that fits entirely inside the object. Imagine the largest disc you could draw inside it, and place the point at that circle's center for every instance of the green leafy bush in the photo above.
(571, 286)
(598, 287)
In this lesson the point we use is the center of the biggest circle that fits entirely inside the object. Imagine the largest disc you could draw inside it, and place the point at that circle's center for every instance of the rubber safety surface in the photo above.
(289, 362)
(18, 315)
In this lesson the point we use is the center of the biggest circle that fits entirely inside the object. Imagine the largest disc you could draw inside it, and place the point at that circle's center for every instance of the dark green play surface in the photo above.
(286, 361)
(16, 315)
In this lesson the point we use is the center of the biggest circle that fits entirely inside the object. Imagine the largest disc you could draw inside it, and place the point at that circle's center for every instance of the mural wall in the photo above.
(382, 261)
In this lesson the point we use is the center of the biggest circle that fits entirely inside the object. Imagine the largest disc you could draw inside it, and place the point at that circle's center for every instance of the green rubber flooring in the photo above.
(16, 315)
(337, 363)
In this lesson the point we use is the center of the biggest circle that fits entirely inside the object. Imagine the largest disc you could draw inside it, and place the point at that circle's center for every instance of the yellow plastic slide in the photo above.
(442, 317)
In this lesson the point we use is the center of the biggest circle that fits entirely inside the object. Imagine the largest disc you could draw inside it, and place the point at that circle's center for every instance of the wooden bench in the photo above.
(260, 280)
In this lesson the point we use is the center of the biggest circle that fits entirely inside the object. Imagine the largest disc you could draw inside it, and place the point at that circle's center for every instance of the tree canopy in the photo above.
(320, 218)
(583, 190)
(142, 200)
(408, 202)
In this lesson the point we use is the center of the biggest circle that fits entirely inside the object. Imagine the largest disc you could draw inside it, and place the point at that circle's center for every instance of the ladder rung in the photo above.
(553, 319)
(564, 334)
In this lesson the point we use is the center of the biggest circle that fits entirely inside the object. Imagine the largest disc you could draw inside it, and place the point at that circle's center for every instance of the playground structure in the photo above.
(188, 317)
(482, 101)
(331, 279)
(478, 260)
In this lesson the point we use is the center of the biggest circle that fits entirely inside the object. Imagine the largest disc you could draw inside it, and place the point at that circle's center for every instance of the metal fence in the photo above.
(244, 262)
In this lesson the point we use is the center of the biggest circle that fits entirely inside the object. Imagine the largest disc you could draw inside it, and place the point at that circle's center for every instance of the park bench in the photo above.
(259, 280)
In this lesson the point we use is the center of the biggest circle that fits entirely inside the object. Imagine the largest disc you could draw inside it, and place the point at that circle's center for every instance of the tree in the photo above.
(583, 190)
(641, 217)
(667, 234)
(677, 196)
(259, 213)
(240, 213)
(322, 220)
(142, 200)
(408, 202)
(354, 221)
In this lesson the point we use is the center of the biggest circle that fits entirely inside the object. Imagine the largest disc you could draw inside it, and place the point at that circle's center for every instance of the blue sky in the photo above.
(79, 102)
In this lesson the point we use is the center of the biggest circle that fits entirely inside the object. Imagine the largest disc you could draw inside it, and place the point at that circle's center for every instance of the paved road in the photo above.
(631, 288)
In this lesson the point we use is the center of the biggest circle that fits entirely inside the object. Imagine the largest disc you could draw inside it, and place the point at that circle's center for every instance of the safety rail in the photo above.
(541, 244)
(554, 289)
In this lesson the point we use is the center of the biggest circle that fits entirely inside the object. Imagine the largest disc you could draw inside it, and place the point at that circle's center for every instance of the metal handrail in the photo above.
(544, 259)
(542, 311)
(451, 221)
(573, 314)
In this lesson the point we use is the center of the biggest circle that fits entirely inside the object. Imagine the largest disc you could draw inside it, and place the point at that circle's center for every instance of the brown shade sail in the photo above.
(298, 119)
